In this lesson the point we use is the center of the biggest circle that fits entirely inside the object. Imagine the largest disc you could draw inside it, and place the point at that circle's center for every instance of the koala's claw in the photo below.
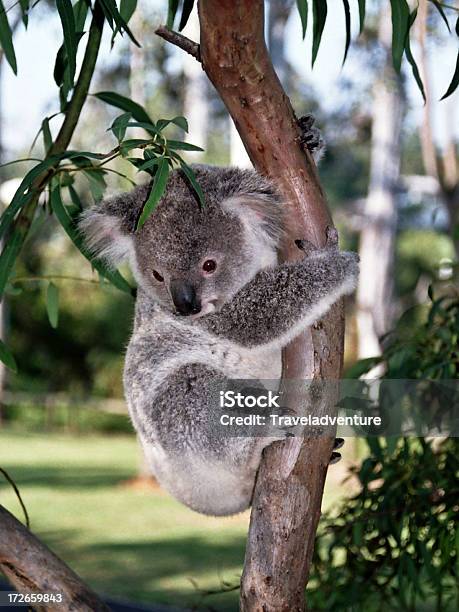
(331, 241)
(305, 245)
(335, 457)
(311, 138)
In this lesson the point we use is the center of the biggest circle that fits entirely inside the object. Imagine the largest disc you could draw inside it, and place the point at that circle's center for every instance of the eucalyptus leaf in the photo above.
(188, 171)
(178, 145)
(24, 4)
(67, 18)
(302, 6)
(186, 12)
(114, 99)
(347, 15)
(172, 7)
(6, 39)
(47, 139)
(400, 27)
(319, 13)
(157, 190)
(70, 226)
(439, 8)
(410, 58)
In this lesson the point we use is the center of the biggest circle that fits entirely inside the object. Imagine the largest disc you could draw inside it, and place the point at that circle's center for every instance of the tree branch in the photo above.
(29, 565)
(289, 489)
(180, 41)
(26, 215)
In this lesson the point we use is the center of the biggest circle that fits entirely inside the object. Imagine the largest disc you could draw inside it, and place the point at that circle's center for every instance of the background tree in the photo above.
(233, 54)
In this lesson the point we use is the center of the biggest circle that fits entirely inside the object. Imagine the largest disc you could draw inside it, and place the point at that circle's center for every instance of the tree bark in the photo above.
(289, 489)
(31, 567)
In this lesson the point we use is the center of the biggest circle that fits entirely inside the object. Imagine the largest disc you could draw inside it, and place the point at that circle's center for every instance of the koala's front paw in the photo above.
(340, 266)
(331, 242)
(311, 137)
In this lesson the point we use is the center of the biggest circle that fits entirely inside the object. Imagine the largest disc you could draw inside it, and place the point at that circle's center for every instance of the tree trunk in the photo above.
(196, 94)
(445, 172)
(289, 489)
(375, 290)
(30, 566)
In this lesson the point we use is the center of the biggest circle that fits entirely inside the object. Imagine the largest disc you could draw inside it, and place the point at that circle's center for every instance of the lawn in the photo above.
(127, 543)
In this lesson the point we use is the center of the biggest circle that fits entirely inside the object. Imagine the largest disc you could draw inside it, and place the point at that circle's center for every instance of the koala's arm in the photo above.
(278, 303)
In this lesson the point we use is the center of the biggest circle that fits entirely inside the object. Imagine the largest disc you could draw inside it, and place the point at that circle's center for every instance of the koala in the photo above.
(213, 303)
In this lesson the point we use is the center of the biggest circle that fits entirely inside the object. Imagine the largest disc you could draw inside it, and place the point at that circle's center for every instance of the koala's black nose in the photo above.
(184, 297)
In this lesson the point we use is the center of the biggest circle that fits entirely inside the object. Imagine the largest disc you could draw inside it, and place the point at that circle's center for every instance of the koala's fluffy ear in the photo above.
(109, 227)
(259, 207)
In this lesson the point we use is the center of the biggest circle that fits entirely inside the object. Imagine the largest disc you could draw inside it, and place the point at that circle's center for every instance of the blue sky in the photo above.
(32, 94)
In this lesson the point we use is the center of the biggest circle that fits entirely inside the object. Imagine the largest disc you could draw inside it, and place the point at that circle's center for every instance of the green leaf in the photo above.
(149, 127)
(7, 357)
(186, 12)
(9, 255)
(319, 14)
(69, 224)
(80, 10)
(24, 4)
(150, 163)
(132, 143)
(47, 139)
(347, 14)
(113, 16)
(22, 195)
(454, 82)
(400, 28)
(180, 121)
(157, 190)
(119, 125)
(52, 304)
(114, 99)
(97, 184)
(172, 7)
(303, 11)
(6, 39)
(67, 18)
(127, 8)
(178, 145)
(362, 367)
(410, 58)
(361, 15)
(188, 171)
(59, 66)
(75, 199)
(439, 8)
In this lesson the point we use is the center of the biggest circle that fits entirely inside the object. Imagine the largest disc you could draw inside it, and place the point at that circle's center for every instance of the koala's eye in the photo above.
(158, 276)
(209, 266)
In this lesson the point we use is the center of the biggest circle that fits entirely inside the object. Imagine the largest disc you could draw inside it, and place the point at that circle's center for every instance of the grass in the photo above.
(133, 544)
(127, 543)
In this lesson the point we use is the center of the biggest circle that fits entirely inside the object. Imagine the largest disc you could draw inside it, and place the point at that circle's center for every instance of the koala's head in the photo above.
(192, 259)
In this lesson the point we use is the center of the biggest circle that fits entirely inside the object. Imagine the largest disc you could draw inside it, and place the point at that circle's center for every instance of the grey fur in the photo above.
(250, 308)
